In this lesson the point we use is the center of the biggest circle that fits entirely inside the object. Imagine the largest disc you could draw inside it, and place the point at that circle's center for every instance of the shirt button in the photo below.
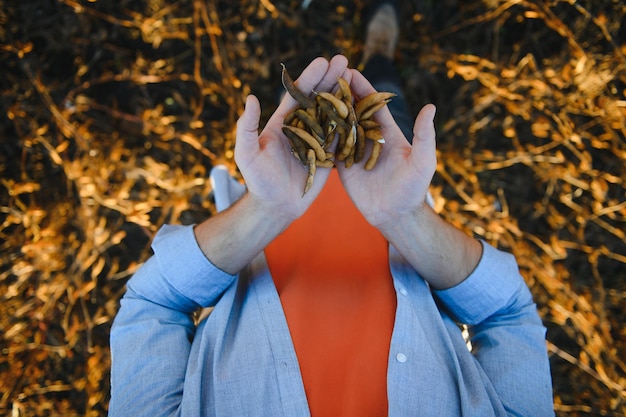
(401, 357)
(402, 291)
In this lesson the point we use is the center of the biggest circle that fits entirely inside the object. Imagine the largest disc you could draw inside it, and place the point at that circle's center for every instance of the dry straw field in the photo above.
(112, 114)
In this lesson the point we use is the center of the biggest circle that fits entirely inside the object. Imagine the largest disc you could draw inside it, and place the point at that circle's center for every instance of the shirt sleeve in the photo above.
(153, 330)
(506, 332)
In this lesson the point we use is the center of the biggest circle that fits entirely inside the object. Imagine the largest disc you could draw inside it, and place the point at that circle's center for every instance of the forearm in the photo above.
(442, 254)
(232, 238)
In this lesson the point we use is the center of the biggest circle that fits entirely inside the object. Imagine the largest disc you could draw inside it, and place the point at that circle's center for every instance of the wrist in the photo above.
(442, 254)
(269, 215)
(403, 222)
(245, 228)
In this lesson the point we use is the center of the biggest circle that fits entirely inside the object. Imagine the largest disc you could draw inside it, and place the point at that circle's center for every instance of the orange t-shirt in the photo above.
(331, 271)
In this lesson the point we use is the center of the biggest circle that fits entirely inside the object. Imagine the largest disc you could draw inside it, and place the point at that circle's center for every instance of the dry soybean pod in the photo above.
(310, 159)
(371, 99)
(340, 106)
(297, 145)
(312, 125)
(360, 144)
(369, 124)
(293, 122)
(346, 93)
(351, 118)
(328, 127)
(352, 121)
(302, 99)
(350, 158)
(290, 116)
(369, 112)
(350, 141)
(341, 144)
(325, 164)
(331, 113)
(339, 94)
(375, 135)
(378, 100)
(330, 135)
(309, 139)
(376, 150)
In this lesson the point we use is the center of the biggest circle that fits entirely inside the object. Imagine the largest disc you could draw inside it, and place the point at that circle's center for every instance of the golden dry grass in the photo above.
(113, 114)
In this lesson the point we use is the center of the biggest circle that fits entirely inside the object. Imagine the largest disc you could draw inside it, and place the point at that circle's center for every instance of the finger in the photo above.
(247, 136)
(336, 68)
(424, 135)
(319, 75)
(361, 87)
(308, 80)
(347, 75)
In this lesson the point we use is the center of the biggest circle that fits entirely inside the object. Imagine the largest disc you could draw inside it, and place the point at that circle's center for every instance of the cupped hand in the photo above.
(274, 177)
(399, 182)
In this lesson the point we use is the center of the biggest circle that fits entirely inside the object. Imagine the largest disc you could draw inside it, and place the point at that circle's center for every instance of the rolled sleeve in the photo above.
(179, 276)
(489, 288)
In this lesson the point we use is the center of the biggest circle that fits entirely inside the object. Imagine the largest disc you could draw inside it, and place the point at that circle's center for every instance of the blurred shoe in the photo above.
(382, 31)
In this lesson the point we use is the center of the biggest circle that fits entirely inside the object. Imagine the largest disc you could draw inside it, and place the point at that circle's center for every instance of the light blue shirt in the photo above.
(240, 360)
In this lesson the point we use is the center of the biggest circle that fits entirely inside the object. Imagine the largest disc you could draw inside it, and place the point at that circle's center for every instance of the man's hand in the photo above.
(392, 197)
(399, 182)
(274, 177)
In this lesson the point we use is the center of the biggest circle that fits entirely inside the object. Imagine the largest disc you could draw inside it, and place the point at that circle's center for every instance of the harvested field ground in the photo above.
(113, 113)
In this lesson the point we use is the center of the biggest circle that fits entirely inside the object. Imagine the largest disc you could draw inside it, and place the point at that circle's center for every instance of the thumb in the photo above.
(424, 144)
(247, 135)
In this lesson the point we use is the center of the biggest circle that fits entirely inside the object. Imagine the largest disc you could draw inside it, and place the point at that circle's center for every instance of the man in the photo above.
(344, 301)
